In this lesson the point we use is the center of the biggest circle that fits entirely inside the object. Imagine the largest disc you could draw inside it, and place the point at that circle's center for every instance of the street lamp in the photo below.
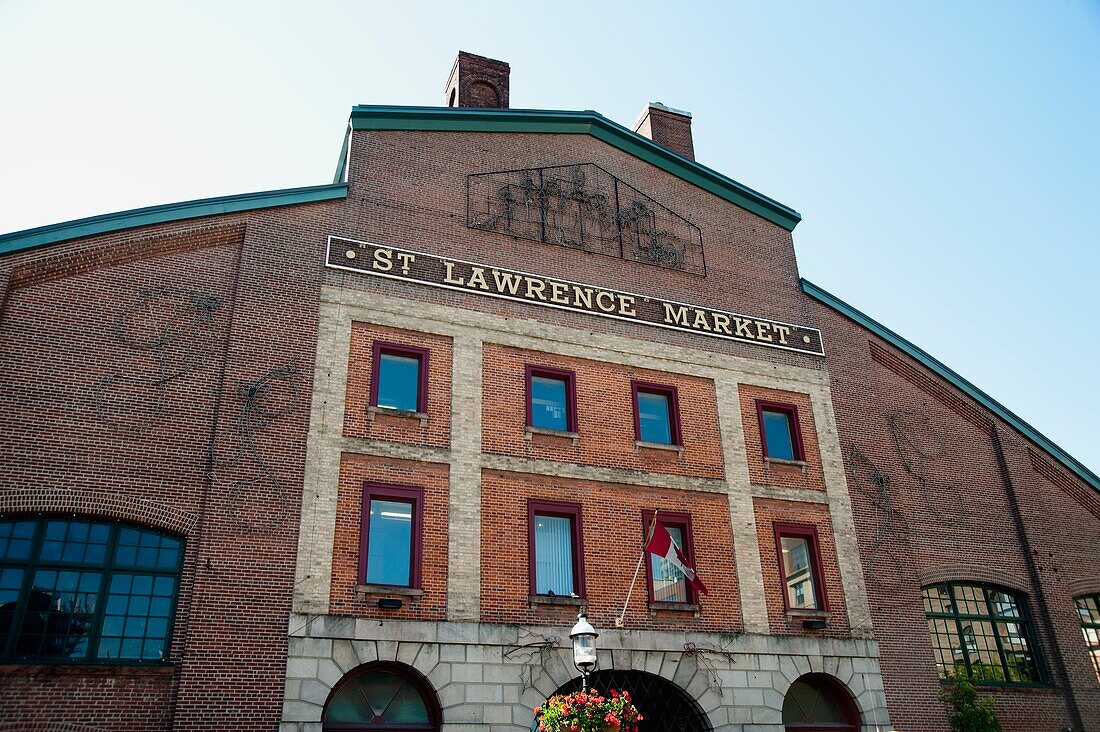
(584, 648)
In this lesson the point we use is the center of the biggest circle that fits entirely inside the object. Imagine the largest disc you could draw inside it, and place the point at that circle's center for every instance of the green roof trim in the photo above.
(30, 238)
(942, 370)
(462, 119)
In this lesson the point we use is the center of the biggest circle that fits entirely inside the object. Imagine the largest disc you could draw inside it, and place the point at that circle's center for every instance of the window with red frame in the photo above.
(666, 582)
(656, 413)
(780, 433)
(399, 378)
(800, 567)
(551, 398)
(390, 543)
(555, 548)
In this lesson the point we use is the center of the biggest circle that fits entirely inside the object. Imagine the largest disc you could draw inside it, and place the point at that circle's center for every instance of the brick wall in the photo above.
(762, 472)
(359, 422)
(605, 415)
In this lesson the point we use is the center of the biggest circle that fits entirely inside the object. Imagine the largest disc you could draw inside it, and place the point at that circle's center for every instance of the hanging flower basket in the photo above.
(588, 712)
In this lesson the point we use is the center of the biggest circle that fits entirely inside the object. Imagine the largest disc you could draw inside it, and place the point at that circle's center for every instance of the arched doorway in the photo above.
(382, 696)
(821, 703)
(664, 705)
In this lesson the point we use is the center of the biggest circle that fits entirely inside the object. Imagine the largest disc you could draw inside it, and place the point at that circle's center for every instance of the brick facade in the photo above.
(211, 378)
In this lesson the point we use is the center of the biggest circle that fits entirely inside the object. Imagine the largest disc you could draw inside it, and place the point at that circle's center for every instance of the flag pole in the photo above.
(638, 568)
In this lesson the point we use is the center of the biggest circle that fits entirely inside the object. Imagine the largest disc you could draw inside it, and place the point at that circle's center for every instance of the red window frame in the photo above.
(397, 349)
(559, 509)
(808, 532)
(791, 411)
(570, 379)
(673, 408)
(683, 522)
(404, 494)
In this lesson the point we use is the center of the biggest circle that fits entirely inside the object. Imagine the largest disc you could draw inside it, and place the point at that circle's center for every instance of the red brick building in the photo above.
(359, 453)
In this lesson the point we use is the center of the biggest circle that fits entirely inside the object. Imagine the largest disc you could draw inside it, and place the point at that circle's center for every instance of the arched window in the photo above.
(86, 591)
(981, 633)
(382, 696)
(1088, 609)
(819, 702)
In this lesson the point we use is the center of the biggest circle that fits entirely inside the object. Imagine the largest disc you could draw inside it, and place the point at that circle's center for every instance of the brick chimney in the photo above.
(477, 81)
(667, 127)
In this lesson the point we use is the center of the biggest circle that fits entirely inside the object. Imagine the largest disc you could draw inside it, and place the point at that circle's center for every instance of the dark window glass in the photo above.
(777, 435)
(390, 542)
(78, 591)
(382, 696)
(549, 403)
(980, 633)
(554, 561)
(654, 424)
(798, 574)
(815, 702)
(399, 382)
(1088, 609)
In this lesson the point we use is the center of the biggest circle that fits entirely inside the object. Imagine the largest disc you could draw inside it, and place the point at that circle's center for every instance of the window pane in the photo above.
(389, 543)
(950, 658)
(59, 614)
(798, 574)
(669, 584)
(129, 628)
(399, 382)
(554, 555)
(777, 433)
(15, 539)
(549, 408)
(653, 418)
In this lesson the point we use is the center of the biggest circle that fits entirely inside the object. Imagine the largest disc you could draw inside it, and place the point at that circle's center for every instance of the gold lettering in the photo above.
(383, 259)
(406, 260)
(507, 282)
(477, 278)
(783, 331)
(532, 285)
(676, 314)
(582, 296)
(701, 320)
(722, 323)
(762, 331)
(743, 328)
(626, 306)
(557, 293)
(449, 278)
(609, 307)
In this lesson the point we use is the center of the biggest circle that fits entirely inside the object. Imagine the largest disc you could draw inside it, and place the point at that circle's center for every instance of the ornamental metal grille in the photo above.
(665, 707)
(584, 207)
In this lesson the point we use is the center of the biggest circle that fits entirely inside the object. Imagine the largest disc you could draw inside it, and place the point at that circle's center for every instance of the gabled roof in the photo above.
(30, 238)
(463, 119)
(949, 375)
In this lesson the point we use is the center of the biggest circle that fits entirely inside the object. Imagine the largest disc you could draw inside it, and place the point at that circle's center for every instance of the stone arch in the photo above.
(821, 701)
(664, 704)
(483, 94)
(105, 504)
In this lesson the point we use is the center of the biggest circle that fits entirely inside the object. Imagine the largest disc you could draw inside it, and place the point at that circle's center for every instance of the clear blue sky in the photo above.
(945, 156)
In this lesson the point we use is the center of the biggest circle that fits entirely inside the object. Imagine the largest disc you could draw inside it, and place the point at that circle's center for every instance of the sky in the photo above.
(945, 156)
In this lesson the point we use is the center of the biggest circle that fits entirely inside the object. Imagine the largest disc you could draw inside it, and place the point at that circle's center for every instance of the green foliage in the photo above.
(969, 712)
(588, 712)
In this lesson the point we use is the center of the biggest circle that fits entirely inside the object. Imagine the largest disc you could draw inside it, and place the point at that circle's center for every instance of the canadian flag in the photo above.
(663, 545)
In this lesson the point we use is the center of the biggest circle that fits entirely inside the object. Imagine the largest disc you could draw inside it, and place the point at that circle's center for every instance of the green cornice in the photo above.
(451, 119)
(942, 370)
(107, 223)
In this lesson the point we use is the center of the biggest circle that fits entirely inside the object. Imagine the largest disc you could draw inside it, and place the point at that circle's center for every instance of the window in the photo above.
(555, 549)
(1088, 608)
(400, 378)
(656, 414)
(800, 567)
(819, 702)
(780, 434)
(82, 590)
(382, 695)
(389, 550)
(551, 399)
(980, 633)
(666, 582)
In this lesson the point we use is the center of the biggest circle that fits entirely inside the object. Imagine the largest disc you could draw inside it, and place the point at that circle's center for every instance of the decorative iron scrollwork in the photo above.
(584, 207)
